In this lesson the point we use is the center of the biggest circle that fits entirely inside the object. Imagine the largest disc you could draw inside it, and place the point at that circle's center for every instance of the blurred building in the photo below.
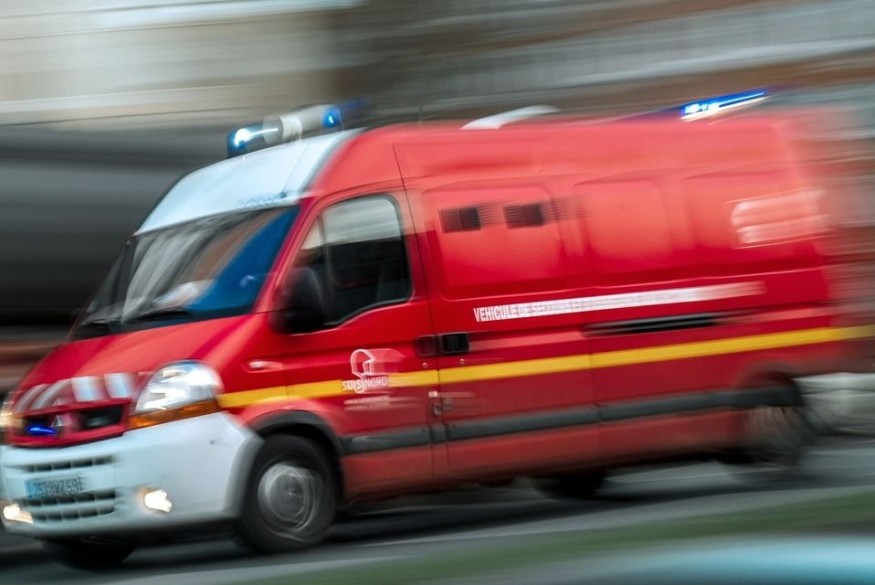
(97, 63)
(129, 63)
(608, 54)
(104, 103)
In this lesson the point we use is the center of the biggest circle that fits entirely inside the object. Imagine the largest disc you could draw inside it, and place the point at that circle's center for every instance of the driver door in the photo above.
(360, 370)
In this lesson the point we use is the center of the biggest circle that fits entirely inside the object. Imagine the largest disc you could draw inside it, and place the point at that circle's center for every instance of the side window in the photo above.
(356, 249)
(496, 240)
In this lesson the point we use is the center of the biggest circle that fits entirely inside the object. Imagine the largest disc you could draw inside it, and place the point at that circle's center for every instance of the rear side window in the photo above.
(356, 248)
(496, 240)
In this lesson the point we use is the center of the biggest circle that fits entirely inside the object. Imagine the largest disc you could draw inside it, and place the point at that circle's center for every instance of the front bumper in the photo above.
(198, 462)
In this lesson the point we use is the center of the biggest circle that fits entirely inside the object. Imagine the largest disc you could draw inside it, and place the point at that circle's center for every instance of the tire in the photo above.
(291, 498)
(572, 487)
(778, 437)
(90, 554)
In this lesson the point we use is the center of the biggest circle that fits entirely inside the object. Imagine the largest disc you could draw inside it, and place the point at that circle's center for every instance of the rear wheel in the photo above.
(291, 498)
(778, 438)
(90, 554)
(781, 435)
(572, 487)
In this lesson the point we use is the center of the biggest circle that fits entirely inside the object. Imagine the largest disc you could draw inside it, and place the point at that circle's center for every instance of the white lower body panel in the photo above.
(198, 462)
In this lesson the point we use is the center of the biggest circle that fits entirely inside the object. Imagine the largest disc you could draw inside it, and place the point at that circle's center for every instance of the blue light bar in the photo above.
(250, 138)
(720, 104)
(41, 431)
(333, 119)
(294, 125)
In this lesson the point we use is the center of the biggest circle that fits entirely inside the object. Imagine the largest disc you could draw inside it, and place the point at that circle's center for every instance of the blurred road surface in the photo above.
(419, 527)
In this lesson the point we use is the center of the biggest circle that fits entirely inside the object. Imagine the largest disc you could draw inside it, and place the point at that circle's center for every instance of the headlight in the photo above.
(6, 414)
(177, 391)
(5, 418)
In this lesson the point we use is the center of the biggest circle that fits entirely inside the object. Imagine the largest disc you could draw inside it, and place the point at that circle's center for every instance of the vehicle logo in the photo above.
(366, 368)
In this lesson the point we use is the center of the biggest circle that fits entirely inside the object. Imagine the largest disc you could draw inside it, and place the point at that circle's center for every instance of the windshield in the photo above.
(207, 268)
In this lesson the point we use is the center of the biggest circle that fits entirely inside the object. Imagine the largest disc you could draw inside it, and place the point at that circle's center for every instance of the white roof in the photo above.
(272, 177)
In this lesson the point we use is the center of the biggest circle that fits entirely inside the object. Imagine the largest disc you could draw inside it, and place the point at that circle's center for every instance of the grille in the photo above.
(66, 508)
(79, 420)
(67, 464)
(98, 418)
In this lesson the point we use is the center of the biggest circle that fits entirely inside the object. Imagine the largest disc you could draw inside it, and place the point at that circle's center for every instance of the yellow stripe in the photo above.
(316, 389)
(516, 369)
(280, 393)
(407, 379)
(652, 354)
(724, 346)
(561, 364)
(247, 397)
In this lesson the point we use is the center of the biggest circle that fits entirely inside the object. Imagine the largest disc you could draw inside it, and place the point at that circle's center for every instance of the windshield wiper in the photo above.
(104, 325)
(160, 313)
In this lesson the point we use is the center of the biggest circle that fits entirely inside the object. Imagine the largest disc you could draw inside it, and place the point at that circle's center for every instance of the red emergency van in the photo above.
(367, 313)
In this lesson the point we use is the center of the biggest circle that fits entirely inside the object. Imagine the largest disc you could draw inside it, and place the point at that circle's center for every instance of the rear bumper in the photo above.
(198, 462)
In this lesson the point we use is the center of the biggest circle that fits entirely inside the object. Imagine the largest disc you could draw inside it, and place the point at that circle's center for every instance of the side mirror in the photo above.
(304, 310)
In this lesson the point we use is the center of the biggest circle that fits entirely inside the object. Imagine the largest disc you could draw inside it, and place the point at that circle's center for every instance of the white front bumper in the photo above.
(198, 462)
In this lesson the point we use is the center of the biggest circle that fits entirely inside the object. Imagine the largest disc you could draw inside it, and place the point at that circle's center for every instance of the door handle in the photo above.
(426, 346)
(454, 343)
(445, 344)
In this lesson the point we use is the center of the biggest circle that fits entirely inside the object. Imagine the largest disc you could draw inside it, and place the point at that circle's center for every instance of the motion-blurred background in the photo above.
(104, 103)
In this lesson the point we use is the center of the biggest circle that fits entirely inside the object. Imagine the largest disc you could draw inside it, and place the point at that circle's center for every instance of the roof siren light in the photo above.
(294, 125)
(714, 106)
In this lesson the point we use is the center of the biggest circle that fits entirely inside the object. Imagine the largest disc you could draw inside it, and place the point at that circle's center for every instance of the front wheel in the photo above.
(90, 554)
(291, 498)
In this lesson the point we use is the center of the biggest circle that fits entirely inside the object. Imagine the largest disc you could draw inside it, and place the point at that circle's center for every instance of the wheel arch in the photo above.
(306, 425)
(776, 380)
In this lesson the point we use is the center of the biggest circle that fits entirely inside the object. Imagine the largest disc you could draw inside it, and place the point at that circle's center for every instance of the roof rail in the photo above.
(499, 120)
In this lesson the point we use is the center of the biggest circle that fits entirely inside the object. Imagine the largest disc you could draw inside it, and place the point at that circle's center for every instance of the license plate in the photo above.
(54, 488)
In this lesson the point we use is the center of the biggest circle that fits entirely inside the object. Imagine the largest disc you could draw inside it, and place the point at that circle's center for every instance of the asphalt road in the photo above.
(459, 521)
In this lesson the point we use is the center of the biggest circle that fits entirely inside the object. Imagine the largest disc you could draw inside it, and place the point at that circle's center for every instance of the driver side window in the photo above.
(356, 251)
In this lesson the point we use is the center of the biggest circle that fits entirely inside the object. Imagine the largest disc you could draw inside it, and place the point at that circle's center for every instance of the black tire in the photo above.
(778, 438)
(90, 554)
(291, 498)
(572, 487)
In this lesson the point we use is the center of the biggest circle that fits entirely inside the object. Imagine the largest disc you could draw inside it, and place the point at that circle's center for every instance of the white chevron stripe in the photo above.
(119, 385)
(29, 396)
(85, 389)
(49, 396)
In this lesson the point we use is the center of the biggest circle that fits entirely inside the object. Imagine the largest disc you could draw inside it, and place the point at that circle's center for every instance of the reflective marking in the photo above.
(119, 385)
(84, 389)
(28, 398)
(407, 379)
(248, 397)
(647, 298)
(726, 346)
(48, 397)
(516, 369)
(333, 388)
